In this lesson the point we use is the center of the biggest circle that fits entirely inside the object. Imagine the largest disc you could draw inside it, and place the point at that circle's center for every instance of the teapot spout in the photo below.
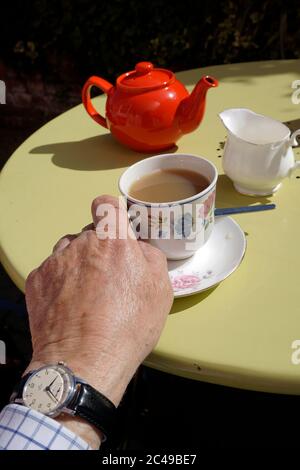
(191, 109)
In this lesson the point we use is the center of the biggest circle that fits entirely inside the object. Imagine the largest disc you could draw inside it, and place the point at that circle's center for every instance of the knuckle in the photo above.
(87, 237)
(88, 245)
(90, 235)
(61, 243)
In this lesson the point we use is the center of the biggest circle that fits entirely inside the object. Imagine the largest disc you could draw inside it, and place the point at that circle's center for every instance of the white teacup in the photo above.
(178, 228)
(258, 153)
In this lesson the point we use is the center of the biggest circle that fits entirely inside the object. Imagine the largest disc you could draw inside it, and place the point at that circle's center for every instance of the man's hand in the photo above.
(99, 305)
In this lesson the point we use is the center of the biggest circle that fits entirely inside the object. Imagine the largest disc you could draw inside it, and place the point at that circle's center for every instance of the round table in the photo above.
(241, 332)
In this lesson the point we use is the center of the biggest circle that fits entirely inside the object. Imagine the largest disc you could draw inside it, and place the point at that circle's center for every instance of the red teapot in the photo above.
(148, 109)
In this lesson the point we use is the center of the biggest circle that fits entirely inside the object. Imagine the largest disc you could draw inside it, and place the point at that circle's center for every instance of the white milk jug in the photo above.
(258, 153)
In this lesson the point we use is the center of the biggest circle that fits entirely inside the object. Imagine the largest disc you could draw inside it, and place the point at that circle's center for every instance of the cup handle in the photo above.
(86, 97)
(293, 139)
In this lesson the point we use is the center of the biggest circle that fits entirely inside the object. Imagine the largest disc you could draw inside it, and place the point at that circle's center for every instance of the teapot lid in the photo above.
(144, 78)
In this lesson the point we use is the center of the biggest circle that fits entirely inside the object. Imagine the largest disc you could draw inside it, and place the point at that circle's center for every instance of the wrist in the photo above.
(107, 375)
(83, 428)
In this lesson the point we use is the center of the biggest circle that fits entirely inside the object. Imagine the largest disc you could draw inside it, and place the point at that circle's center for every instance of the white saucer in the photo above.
(212, 263)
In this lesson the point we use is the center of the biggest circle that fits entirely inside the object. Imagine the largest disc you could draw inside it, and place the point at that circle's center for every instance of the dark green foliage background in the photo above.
(108, 37)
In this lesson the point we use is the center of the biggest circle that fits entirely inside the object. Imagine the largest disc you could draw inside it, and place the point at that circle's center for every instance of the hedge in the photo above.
(62, 37)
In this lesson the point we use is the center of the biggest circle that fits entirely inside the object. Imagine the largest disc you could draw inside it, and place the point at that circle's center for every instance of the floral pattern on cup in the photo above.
(184, 224)
(159, 224)
(209, 203)
(209, 206)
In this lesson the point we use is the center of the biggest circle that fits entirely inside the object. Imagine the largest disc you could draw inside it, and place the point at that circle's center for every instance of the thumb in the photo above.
(110, 218)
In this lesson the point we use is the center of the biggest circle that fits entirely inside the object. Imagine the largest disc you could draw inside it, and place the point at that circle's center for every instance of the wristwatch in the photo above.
(54, 389)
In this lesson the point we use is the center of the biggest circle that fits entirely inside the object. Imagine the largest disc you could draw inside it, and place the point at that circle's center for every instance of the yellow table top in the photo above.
(238, 334)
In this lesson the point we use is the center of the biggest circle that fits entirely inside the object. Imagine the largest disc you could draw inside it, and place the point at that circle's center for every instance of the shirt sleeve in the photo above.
(22, 428)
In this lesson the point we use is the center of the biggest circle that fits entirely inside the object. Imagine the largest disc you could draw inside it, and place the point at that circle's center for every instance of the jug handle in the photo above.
(86, 97)
(293, 142)
(293, 139)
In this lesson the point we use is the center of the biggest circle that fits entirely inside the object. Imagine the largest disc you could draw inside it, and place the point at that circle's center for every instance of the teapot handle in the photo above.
(86, 97)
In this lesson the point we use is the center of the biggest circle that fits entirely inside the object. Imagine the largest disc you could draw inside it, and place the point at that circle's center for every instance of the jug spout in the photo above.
(227, 118)
(236, 119)
(190, 111)
(253, 128)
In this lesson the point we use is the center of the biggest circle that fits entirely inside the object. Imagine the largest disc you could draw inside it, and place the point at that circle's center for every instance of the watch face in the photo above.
(49, 389)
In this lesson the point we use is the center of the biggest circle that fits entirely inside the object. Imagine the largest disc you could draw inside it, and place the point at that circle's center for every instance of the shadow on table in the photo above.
(186, 302)
(101, 152)
(227, 196)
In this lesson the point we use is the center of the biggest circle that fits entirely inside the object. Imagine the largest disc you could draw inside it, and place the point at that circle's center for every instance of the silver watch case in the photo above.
(71, 384)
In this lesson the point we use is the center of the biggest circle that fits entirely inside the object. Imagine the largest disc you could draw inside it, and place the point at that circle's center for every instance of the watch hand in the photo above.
(49, 386)
(51, 394)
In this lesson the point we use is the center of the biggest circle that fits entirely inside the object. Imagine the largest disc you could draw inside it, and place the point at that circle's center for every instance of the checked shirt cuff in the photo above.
(22, 428)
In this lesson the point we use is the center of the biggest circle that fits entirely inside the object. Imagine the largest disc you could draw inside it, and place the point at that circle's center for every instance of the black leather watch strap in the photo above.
(94, 407)
(18, 390)
(87, 403)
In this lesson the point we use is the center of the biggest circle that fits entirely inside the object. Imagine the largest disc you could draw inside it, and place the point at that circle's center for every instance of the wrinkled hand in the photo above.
(99, 305)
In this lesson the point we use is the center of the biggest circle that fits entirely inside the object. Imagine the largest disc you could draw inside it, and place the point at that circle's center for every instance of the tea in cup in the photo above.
(171, 201)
